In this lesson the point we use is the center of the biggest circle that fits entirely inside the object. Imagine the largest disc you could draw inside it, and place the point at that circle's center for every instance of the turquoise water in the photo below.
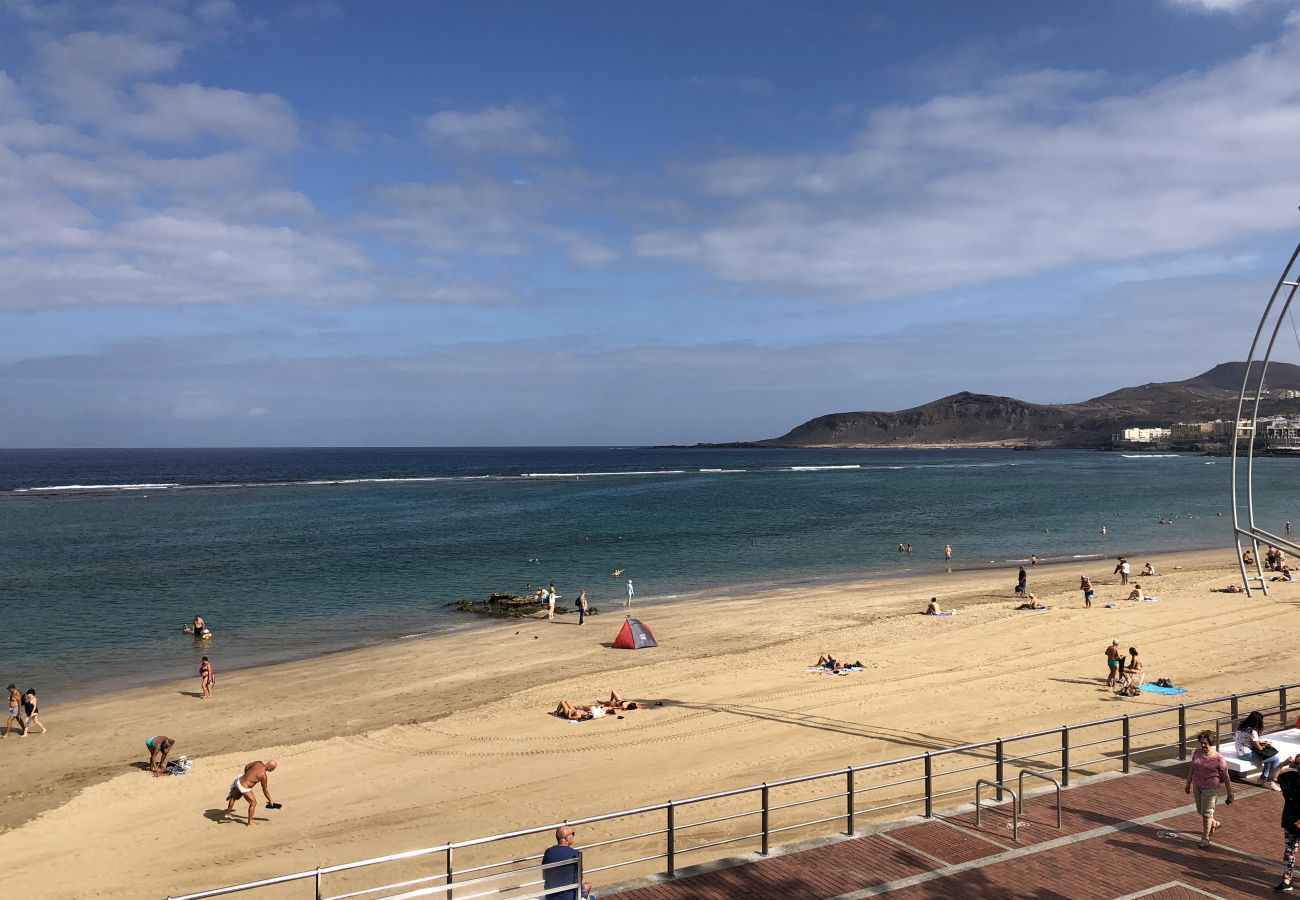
(291, 553)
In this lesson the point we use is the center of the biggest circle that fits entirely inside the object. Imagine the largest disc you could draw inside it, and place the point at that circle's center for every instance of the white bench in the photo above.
(1287, 743)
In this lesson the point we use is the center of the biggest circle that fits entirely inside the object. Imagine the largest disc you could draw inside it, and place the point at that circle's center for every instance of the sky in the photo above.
(327, 223)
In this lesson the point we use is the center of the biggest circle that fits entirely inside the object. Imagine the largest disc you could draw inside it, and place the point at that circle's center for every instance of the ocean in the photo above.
(291, 553)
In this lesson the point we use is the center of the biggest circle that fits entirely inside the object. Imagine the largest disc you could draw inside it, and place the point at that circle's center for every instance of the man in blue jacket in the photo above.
(564, 877)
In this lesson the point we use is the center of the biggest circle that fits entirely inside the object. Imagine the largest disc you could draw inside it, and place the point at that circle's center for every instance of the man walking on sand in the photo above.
(15, 712)
(551, 597)
(255, 773)
(630, 593)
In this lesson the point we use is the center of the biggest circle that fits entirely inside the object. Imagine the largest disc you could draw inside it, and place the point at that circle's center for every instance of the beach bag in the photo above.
(1268, 752)
(179, 766)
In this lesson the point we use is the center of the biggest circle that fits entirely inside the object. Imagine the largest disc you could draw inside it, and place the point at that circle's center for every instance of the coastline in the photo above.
(468, 623)
(449, 737)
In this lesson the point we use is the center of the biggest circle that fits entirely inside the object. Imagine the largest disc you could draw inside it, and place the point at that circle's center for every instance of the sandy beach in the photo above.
(423, 741)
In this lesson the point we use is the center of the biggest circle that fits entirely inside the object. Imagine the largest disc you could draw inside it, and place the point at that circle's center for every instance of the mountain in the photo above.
(982, 420)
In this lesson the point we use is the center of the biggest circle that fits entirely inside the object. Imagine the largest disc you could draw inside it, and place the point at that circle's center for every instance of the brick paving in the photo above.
(1121, 839)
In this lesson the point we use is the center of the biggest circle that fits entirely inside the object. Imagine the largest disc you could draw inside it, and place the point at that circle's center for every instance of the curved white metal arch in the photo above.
(1252, 384)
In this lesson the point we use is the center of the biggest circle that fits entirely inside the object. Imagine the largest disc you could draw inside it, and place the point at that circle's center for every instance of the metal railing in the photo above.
(657, 838)
(1015, 805)
(1048, 778)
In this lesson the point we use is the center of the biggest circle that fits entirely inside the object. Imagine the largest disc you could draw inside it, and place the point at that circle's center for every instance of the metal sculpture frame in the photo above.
(1252, 386)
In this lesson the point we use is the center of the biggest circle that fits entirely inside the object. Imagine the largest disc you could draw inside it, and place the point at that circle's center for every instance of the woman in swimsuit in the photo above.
(32, 707)
(207, 678)
(159, 746)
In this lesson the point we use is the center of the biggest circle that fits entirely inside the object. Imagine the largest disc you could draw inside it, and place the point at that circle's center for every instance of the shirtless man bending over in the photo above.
(255, 773)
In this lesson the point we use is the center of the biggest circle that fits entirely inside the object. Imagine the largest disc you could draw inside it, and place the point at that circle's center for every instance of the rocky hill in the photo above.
(982, 420)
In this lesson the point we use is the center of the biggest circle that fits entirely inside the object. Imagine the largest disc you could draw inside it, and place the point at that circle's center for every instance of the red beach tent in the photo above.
(634, 636)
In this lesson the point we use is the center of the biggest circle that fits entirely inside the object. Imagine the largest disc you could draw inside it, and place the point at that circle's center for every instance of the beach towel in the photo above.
(1149, 599)
(940, 615)
(1157, 689)
(179, 766)
(1041, 609)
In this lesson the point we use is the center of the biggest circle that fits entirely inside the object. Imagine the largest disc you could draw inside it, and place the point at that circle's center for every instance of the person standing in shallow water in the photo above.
(630, 593)
(947, 552)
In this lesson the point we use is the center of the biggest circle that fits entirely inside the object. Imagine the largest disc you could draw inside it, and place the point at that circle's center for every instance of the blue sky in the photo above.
(331, 223)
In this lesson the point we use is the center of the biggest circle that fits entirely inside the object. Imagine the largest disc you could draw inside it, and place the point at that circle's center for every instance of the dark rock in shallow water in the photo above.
(512, 606)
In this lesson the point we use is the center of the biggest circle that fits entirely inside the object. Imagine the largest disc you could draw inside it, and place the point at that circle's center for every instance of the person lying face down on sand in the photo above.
(567, 709)
(255, 773)
(1032, 604)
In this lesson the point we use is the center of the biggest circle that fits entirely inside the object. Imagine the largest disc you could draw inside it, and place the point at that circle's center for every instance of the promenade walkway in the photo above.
(1121, 838)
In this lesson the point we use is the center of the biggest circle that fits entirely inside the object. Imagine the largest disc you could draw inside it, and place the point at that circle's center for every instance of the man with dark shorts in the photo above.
(255, 773)
(564, 877)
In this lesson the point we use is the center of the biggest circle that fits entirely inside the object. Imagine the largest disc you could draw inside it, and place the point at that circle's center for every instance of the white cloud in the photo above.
(1217, 6)
(503, 130)
(1034, 173)
(187, 112)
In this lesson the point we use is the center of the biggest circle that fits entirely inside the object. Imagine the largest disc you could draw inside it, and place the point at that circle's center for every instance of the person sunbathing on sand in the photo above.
(575, 711)
(570, 710)
(826, 661)
(933, 608)
(1032, 604)
(1230, 589)
(1148, 572)
(1136, 594)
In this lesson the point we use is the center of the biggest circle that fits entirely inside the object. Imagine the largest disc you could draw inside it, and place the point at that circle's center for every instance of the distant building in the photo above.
(1216, 435)
(1144, 435)
(1281, 434)
(1288, 394)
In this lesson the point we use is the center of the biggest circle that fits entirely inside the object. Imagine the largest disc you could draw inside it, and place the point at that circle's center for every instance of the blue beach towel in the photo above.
(1157, 689)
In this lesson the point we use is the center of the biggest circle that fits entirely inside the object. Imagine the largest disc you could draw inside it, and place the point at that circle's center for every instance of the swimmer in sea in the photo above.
(616, 573)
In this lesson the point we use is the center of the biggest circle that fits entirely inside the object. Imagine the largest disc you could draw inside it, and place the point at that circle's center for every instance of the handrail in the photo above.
(985, 751)
(1015, 803)
(1056, 784)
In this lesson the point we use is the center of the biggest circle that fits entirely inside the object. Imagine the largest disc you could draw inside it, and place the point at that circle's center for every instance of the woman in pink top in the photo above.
(1208, 771)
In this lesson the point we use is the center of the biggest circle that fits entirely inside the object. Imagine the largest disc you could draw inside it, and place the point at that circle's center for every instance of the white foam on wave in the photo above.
(715, 471)
(600, 474)
(96, 487)
(819, 468)
(1151, 455)
(1086, 556)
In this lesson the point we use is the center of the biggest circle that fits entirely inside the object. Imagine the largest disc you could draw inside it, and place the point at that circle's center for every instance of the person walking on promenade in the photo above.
(207, 678)
(255, 773)
(15, 712)
(564, 877)
(582, 606)
(1207, 773)
(1289, 783)
(1114, 656)
(630, 593)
